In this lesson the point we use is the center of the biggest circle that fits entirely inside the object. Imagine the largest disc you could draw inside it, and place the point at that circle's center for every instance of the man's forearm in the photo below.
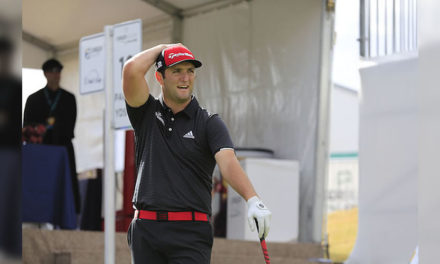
(242, 185)
(134, 85)
(141, 62)
(233, 173)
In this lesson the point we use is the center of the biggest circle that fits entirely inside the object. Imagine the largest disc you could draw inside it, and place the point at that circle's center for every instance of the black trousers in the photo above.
(172, 242)
(74, 176)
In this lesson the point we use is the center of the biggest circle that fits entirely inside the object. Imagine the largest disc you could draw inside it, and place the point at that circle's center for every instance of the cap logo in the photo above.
(159, 64)
(173, 55)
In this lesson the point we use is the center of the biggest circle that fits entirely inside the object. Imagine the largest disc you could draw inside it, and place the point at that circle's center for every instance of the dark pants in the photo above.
(173, 242)
(74, 177)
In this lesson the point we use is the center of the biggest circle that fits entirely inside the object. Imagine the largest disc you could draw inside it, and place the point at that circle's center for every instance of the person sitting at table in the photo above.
(55, 108)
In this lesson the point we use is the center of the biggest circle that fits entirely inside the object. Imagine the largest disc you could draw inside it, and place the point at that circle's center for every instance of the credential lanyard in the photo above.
(52, 105)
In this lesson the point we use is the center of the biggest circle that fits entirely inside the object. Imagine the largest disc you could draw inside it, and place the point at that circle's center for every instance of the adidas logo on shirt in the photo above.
(189, 135)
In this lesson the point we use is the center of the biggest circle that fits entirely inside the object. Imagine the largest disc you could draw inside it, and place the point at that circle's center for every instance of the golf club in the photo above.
(263, 246)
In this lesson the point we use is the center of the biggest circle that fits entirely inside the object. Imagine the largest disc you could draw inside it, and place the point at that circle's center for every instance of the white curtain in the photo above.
(261, 74)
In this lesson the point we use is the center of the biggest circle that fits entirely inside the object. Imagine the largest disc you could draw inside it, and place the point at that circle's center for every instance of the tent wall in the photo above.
(33, 56)
(261, 73)
(387, 230)
(88, 139)
(429, 131)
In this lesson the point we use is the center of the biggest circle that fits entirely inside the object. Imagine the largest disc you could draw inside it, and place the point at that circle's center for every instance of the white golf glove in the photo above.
(257, 211)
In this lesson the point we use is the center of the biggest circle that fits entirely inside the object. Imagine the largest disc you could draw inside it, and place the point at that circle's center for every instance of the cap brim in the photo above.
(196, 63)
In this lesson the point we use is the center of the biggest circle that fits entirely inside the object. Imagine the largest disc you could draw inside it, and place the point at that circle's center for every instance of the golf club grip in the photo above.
(263, 246)
(265, 253)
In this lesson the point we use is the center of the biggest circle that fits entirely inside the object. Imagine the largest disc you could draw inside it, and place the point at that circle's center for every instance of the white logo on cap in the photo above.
(172, 55)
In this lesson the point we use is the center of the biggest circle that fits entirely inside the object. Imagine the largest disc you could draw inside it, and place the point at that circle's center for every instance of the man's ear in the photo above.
(159, 77)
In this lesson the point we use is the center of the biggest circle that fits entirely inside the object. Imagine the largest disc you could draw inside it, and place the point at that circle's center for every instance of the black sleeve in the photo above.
(136, 114)
(217, 134)
(27, 113)
(30, 112)
(71, 116)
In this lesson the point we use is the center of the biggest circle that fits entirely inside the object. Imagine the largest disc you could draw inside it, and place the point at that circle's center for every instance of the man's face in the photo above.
(178, 82)
(53, 77)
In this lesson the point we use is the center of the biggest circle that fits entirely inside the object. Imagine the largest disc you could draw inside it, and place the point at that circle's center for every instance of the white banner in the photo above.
(127, 41)
(388, 164)
(91, 63)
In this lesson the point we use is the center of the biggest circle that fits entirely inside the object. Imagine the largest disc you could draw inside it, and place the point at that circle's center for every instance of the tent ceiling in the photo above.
(55, 25)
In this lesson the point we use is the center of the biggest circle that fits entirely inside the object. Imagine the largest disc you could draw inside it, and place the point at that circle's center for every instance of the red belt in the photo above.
(173, 216)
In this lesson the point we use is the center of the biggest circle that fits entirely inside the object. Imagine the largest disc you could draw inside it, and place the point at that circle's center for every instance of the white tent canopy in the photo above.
(265, 71)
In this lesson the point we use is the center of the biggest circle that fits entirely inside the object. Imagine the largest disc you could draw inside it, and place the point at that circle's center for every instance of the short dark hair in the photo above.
(162, 71)
(52, 65)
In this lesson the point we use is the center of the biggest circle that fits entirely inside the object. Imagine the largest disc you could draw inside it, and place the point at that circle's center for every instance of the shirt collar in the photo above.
(190, 109)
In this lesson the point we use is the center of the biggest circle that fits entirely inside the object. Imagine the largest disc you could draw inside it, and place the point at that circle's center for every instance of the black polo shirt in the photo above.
(175, 155)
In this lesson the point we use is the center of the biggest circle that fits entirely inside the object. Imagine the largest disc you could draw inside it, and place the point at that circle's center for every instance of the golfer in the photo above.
(178, 144)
